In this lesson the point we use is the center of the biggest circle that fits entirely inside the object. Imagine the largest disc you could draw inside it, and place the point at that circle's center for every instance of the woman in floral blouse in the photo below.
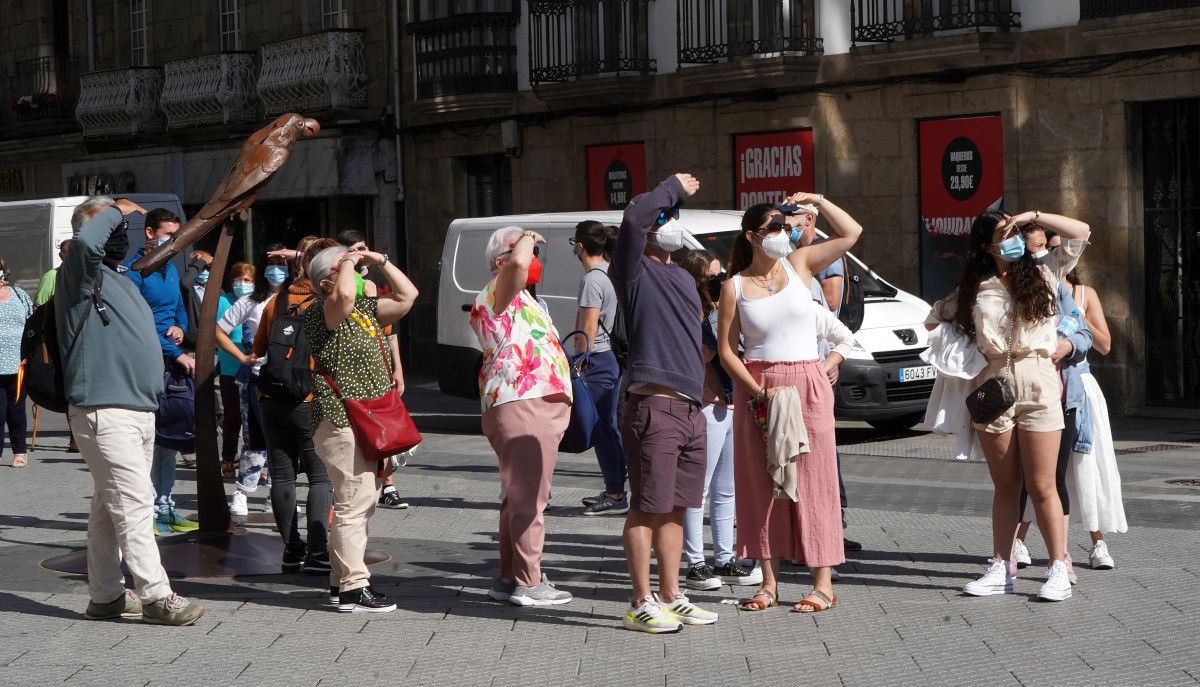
(344, 336)
(525, 391)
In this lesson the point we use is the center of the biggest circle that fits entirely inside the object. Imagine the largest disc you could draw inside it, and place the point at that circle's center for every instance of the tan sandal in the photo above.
(817, 601)
(755, 605)
(20, 460)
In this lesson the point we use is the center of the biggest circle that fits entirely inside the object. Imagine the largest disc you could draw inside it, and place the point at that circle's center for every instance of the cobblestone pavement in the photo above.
(900, 618)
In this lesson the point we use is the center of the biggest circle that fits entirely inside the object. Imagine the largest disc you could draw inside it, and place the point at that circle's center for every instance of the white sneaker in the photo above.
(687, 612)
(755, 576)
(650, 617)
(997, 580)
(1058, 585)
(1020, 554)
(237, 505)
(1100, 558)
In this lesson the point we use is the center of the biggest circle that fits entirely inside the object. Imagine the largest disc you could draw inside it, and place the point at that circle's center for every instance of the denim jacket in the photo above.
(1073, 366)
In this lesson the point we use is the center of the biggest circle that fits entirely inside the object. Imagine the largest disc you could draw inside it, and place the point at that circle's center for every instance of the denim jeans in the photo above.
(601, 377)
(162, 477)
(718, 493)
(290, 447)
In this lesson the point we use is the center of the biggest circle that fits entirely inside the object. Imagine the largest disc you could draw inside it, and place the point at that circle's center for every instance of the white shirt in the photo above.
(246, 312)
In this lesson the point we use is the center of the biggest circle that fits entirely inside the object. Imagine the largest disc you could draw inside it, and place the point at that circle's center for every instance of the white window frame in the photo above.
(139, 43)
(334, 15)
(229, 25)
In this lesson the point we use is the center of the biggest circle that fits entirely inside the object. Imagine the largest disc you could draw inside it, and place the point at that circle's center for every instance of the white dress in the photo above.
(1093, 481)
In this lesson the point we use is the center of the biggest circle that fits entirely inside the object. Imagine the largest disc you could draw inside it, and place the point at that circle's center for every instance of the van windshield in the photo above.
(721, 243)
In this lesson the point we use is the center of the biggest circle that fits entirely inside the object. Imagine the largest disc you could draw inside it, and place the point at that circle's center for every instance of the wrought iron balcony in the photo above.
(466, 54)
(320, 71)
(719, 30)
(121, 102)
(44, 88)
(210, 89)
(571, 39)
(1095, 9)
(880, 21)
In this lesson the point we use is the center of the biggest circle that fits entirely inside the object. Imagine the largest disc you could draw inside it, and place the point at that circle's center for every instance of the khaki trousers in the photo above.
(354, 488)
(118, 447)
(525, 435)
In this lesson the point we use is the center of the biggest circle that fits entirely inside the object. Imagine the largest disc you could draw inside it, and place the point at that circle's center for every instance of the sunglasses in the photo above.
(774, 227)
(665, 216)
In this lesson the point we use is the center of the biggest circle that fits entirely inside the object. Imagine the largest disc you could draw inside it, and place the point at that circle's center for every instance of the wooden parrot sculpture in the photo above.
(263, 154)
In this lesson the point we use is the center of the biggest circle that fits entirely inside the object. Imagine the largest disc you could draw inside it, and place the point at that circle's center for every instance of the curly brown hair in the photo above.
(1033, 299)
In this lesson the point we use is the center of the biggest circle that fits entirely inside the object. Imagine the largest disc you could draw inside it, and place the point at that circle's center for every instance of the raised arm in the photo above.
(846, 231)
(639, 220)
(341, 301)
(511, 278)
(1066, 227)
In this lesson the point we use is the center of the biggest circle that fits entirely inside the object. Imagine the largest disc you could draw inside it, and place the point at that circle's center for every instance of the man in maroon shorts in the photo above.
(662, 428)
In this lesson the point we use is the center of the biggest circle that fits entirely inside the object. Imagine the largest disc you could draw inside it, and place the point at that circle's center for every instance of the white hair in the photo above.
(322, 263)
(501, 242)
(84, 211)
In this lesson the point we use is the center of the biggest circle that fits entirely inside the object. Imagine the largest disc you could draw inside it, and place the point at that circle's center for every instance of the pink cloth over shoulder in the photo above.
(809, 530)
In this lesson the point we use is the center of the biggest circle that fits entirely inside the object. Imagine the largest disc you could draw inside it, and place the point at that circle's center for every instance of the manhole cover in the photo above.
(1187, 482)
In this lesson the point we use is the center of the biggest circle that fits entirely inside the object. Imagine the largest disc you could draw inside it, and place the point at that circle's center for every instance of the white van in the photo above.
(883, 381)
(30, 231)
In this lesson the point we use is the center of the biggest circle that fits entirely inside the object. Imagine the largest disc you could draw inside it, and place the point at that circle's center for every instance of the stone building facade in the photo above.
(1078, 86)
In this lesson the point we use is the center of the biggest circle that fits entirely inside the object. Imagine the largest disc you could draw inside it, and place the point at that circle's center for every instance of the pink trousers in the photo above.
(525, 435)
(808, 531)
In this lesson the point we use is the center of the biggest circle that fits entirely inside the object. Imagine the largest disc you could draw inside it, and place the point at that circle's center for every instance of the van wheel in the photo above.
(898, 424)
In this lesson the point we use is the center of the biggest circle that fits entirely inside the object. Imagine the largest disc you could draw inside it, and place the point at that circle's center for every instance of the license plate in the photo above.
(912, 374)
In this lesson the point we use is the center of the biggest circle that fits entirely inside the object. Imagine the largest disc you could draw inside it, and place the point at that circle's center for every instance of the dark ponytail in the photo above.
(742, 253)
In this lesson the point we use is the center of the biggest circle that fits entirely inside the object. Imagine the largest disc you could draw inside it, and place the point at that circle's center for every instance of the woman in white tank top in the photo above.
(768, 306)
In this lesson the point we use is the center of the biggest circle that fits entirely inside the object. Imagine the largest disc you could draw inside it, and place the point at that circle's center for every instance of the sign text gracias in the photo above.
(770, 166)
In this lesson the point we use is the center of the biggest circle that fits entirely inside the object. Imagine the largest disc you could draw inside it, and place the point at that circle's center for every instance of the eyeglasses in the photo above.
(573, 241)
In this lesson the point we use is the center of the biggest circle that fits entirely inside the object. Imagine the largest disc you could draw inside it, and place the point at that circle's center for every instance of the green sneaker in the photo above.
(650, 617)
(124, 606)
(161, 526)
(172, 609)
(176, 523)
(688, 613)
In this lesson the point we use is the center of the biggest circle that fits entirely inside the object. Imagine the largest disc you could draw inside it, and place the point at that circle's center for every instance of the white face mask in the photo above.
(1041, 254)
(669, 236)
(777, 246)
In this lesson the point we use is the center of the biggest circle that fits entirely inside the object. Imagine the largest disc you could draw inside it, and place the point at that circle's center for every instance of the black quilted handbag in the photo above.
(989, 400)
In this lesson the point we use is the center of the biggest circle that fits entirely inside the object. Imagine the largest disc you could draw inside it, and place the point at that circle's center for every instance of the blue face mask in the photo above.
(202, 278)
(275, 274)
(795, 235)
(242, 289)
(162, 240)
(1012, 248)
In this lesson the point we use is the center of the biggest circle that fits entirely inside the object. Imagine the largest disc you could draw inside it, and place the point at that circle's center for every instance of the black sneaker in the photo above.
(391, 499)
(590, 500)
(364, 600)
(334, 596)
(607, 505)
(292, 560)
(317, 564)
(733, 573)
(701, 577)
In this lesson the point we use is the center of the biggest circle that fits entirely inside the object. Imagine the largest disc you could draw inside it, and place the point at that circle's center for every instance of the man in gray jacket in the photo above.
(112, 373)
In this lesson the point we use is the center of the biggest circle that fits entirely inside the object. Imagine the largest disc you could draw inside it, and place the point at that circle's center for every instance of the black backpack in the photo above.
(852, 306)
(618, 339)
(43, 364)
(286, 376)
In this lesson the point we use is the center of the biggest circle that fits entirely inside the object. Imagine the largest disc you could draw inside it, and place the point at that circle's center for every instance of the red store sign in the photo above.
(770, 166)
(615, 173)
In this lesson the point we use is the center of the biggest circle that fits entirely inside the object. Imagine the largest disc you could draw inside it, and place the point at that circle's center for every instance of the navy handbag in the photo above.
(580, 433)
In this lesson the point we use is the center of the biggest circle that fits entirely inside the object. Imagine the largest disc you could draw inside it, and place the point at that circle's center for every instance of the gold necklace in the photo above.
(767, 281)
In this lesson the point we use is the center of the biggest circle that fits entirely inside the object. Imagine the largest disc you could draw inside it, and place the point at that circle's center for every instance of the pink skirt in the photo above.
(808, 531)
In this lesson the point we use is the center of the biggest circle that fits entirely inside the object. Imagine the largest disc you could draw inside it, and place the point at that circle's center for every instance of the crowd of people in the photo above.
(713, 385)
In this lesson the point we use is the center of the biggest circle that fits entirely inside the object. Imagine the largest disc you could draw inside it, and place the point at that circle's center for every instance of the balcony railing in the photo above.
(1095, 9)
(718, 30)
(44, 88)
(878, 21)
(210, 89)
(466, 54)
(320, 71)
(121, 102)
(571, 39)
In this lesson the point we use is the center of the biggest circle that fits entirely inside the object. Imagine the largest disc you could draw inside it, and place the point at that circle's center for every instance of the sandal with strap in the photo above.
(755, 605)
(20, 460)
(817, 601)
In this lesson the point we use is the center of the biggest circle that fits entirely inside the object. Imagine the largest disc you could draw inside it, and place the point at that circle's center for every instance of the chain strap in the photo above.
(1012, 328)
